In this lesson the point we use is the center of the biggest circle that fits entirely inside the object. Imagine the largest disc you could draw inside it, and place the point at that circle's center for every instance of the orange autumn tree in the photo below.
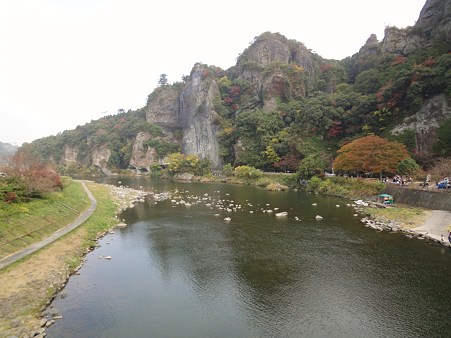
(370, 154)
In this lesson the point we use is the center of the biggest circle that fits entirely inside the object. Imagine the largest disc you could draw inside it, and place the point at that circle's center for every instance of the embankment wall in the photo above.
(420, 198)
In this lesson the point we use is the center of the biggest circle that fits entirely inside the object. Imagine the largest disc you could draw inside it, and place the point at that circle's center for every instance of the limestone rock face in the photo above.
(100, 157)
(371, 46)
(426, 122)
(70, 155)
(163, 107)
(142, 156)
(266, 49)
(197, 116)
(400, 41)
(433, 25)
(270, 64)
(435, 20)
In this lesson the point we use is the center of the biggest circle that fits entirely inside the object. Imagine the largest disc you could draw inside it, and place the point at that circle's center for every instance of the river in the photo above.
(182, 271)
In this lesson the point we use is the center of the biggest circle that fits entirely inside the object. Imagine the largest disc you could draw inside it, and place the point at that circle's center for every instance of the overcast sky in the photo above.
(66, 62)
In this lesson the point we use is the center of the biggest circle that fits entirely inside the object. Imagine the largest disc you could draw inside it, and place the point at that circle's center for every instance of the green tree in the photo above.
(271, 155)
(227, 169)
(312, 165)
(408, 167)
(443, 144)
(163, 81)
(180, 163)
(248, 172)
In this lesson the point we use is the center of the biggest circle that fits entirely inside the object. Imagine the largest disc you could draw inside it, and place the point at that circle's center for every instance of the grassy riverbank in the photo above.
(23, 224)
(354, 188)
(407, 217)
(30, 284)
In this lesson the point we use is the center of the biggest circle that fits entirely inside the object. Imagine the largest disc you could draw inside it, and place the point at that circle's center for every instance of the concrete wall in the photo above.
(428, 199)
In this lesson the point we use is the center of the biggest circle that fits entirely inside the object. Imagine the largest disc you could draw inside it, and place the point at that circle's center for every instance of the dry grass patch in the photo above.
(405, 216)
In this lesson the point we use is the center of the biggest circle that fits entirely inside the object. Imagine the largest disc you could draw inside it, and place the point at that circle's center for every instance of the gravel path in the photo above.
(61, 232)
(438, 224)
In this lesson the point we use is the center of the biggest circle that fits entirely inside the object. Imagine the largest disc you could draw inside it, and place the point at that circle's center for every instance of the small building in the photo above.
(385, 199)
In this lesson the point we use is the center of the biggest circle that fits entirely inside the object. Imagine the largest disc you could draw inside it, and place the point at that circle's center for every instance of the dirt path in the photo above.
(437, 225)
(58, 234)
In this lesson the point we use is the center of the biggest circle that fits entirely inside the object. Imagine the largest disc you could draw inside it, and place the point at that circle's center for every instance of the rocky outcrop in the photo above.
(400, 41)
(100, 157)
(434, 23)
(272, 64)
(433, 26)
(266, 49)
(142, 156)
(426, 122)
(70, 155)
(198, 118)
(163, 107)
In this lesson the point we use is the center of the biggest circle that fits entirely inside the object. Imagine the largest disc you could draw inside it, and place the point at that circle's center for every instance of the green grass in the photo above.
(345, 187)
(103, 218)
(23, 224)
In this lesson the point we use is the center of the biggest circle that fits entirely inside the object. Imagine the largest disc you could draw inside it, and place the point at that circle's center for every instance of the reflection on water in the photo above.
(181, 271)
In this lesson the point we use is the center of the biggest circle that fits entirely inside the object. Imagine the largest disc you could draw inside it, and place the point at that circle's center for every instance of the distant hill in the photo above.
(6, 151)
(282, 105)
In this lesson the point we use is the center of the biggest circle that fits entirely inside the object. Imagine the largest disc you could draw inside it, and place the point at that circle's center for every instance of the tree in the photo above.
(271, 155)
(163, 81)
(248, 172)
(443, 144)
(312, 165)
(441, 169)
(27, 177)
(371, 154)
(227, 169)
(180, 163)
(408, 166)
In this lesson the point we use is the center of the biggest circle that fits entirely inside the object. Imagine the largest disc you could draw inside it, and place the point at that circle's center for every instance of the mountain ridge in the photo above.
(280, 101)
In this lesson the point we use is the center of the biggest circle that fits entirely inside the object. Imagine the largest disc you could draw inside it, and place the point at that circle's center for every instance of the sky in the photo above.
(64, 63)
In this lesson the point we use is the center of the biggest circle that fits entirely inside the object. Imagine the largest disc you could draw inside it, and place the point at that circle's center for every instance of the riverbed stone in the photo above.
(15, 323)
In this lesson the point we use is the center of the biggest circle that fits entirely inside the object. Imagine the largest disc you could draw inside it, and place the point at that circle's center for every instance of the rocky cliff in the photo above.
(273, 69)
(280, 104)
(425, 122)
(277, 68)
(433, 27)
(199, 124)
(100, 158)
(163, 107)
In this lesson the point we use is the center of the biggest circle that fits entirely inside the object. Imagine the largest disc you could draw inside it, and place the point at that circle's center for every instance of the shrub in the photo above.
(313, 183)
(227, 170)
(27, 178)
(181, 163)
(248, 173)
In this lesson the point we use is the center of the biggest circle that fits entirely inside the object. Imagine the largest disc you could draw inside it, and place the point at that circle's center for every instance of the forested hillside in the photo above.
(283, 107)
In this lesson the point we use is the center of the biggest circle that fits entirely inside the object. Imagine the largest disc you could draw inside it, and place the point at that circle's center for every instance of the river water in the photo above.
(182, 271)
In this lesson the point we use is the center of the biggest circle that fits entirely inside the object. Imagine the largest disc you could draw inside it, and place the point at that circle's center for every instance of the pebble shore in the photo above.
(391, 225)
